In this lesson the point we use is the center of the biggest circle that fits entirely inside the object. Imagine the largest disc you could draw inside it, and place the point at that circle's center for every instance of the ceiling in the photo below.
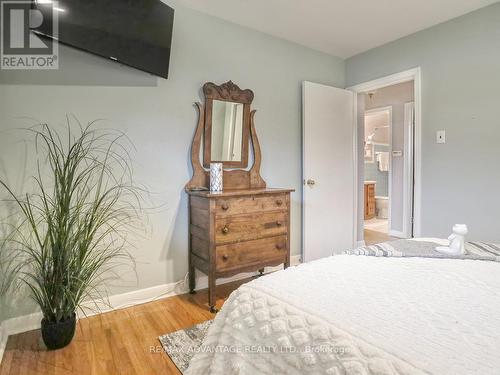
(341, 28)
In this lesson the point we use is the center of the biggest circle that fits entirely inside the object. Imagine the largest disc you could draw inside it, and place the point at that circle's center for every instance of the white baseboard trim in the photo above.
(22, 323)
(30, 322)
(396, 233)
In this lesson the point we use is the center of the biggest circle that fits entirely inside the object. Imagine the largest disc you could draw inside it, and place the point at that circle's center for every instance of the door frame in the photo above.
(393, 79)
(389, 176)
(408, 187)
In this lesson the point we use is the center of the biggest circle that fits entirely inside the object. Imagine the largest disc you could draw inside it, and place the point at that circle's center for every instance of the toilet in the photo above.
(382, 207)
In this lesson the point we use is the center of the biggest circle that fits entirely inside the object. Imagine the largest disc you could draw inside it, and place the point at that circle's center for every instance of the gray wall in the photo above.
(395, 96)
(460, 62)
(158, 115)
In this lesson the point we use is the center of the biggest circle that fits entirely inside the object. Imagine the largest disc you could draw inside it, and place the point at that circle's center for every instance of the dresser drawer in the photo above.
(248, 227)
(248, 253)
(251, 204)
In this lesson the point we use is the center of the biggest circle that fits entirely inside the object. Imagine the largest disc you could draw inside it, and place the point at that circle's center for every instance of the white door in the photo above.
(328, 170)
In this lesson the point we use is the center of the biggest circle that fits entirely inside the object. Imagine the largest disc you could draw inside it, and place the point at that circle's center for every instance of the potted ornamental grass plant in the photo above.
(74, 226)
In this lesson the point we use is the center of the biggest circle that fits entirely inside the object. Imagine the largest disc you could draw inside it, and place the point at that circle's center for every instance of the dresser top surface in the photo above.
(237, 192)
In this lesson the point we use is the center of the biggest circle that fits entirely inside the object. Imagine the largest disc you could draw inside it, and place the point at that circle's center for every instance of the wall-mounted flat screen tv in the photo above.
(137, 33)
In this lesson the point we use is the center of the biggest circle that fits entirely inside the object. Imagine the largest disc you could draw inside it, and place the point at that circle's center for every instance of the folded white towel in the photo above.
(383, 161)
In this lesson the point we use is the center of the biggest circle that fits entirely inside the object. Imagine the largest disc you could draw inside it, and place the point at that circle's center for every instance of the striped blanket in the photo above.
(426, 248)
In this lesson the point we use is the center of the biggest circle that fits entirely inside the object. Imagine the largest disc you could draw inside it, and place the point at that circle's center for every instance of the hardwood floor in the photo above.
(118, 342)
(373, 237)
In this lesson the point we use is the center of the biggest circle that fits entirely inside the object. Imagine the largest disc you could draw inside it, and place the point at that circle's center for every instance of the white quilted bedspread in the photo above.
(360, 315)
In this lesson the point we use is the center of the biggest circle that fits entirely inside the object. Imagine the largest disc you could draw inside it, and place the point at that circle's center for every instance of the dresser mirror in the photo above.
(227, 125)
(227, 132)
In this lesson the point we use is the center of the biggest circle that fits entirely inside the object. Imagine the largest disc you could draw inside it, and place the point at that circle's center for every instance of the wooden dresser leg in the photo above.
(192, 279)
(287, 263)
(211, 294)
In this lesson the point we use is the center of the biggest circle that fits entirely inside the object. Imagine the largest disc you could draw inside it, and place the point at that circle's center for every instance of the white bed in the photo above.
(361, 315)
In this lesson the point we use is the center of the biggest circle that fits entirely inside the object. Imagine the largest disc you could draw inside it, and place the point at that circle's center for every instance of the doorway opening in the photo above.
(388, 158)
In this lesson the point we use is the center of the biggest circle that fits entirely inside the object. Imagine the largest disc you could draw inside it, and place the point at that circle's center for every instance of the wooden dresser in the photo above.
(237, 231)
(245, 227)
(369, 200)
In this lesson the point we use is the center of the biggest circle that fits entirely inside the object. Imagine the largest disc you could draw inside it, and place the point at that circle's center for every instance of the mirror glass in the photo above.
(227, 131)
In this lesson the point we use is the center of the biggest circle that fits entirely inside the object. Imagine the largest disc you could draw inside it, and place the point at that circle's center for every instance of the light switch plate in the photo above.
(441, 136)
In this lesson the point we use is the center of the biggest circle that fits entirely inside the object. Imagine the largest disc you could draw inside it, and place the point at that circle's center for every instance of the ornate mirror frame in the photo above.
(233, 178)
(227, 92)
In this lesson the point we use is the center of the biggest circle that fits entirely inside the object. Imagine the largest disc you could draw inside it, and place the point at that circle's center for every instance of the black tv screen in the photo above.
(137, 33)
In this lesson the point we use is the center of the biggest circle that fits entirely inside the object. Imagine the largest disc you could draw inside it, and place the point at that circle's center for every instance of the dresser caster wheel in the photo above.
(192, 291)
(213, 310)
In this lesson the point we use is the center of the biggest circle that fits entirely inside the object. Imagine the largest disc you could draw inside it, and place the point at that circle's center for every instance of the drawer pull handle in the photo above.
(224, 206)
(225, 257)
(279, 223)
(279, 246)
(225, 230)
(279, 202)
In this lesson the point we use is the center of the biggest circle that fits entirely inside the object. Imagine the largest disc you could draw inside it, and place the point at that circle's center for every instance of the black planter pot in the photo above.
(57, 335)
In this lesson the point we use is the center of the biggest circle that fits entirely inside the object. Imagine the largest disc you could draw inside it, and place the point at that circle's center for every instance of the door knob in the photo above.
(310, 182)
